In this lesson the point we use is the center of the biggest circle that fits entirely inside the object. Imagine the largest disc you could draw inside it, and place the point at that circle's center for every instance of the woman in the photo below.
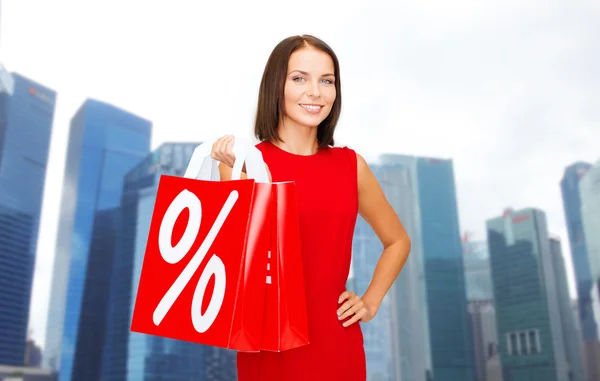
(299, 104)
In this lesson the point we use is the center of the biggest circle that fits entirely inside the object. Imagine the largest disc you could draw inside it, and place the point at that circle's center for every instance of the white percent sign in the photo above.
(173, 254)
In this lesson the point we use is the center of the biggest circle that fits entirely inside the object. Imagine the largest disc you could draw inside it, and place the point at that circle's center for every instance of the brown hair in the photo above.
(270, 108)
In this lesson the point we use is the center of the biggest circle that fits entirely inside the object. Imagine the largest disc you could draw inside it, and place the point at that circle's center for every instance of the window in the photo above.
(509, 347)
(514, 344)
(534, 341)
(523, 343)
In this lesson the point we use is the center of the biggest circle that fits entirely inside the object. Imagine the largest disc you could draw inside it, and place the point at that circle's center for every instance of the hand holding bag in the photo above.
(205, 259)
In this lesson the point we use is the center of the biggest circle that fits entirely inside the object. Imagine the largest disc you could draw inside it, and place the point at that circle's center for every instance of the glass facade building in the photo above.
(26, 115)
(424, 323)
(590, 211)
(450, 335)
(589, 189)
(530, 335)
(482, 312)
(569, 186)
(397, 340)
(478, 278)
(131, 356)
(485, 340)
(571, 335)
(587, 286)
(105, 143)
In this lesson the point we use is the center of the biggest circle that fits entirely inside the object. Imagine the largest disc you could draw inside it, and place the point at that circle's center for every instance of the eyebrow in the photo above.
(305, 73)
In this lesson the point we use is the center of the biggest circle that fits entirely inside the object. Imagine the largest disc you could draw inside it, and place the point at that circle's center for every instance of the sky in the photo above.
(507, 89)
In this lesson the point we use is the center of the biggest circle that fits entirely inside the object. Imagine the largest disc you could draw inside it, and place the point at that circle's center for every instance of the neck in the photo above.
(297, 139)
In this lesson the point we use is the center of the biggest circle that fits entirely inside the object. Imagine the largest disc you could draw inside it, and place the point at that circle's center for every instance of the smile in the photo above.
(313, 109)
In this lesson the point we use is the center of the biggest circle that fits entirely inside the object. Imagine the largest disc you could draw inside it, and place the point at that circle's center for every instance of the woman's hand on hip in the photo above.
(354, 306)
(222, 150)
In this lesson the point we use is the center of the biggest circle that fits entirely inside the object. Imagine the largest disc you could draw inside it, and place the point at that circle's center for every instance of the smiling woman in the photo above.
(299, 104)
(305, 73)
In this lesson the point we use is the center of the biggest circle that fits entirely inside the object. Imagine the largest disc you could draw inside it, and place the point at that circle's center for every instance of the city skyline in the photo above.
(397, 111)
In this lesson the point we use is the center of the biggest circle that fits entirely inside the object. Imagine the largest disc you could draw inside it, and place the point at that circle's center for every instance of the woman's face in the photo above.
(309, 90)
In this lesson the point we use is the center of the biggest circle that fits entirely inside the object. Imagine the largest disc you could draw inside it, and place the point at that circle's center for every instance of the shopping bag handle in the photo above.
(204, 167)
(250, 155)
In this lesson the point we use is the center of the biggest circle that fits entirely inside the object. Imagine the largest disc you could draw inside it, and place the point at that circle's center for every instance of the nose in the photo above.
(314, 89)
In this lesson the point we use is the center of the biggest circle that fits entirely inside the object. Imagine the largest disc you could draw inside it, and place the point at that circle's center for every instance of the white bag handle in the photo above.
(255, 165)
(204, 167)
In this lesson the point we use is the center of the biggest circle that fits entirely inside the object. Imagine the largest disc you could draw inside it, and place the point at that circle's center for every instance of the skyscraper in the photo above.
(589, 188)
(482, 311)
(589, 314)
(530, 335)
(571, 335)
(105, 142)
(131, 356)
(478, 279)
(26, 114)
(430, 337)
(590, 211)
(397, 339)
(439, 236)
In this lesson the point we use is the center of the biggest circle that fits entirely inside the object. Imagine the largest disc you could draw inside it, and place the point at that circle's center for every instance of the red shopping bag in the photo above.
(205, 262)
(206, 276)
(285, 323)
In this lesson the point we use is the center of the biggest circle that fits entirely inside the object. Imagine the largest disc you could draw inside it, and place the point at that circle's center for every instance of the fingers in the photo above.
(359, 315)
(225, 148)
(222, 150)
(353, 307)
(350, 307)
(346, 295)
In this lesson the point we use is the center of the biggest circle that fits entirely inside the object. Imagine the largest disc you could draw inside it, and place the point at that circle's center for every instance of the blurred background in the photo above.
(481, 120)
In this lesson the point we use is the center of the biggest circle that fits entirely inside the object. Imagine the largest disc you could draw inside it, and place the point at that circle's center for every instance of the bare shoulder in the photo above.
(365, 175)
(361, 165)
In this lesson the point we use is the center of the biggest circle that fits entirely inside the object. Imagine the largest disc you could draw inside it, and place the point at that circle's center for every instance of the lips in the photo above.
(312, 108)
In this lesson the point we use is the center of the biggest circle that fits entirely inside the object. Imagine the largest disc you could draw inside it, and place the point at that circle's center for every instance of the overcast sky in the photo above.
(508, 89)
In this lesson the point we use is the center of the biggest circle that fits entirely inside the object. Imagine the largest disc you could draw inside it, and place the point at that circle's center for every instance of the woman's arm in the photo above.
(374, 207)
(377, 212)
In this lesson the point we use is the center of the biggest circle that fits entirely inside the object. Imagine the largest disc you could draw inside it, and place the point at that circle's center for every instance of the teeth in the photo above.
(312, 108)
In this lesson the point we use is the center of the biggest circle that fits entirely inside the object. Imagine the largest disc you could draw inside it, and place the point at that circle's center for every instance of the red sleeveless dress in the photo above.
(327, 191)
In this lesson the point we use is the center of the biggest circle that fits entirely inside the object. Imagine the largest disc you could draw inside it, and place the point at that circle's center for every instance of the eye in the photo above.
(328, 81)
(298, 79)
